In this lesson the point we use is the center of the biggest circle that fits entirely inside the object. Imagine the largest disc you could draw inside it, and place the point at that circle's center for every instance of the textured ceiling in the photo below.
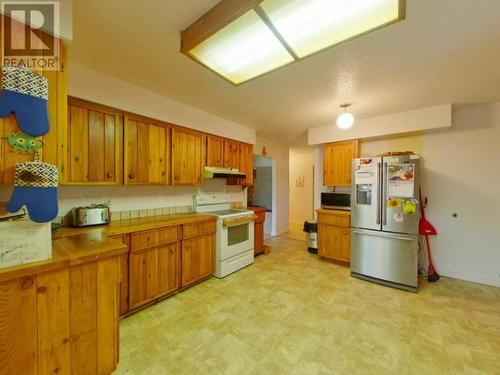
(446, 51)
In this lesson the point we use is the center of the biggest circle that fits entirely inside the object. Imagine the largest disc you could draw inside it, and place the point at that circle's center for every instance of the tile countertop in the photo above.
(71, 246)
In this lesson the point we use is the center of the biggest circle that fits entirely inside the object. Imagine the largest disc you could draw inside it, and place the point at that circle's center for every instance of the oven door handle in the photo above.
(238, 221)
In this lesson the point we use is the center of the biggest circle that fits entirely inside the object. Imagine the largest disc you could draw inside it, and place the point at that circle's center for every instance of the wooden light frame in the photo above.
(227, 11)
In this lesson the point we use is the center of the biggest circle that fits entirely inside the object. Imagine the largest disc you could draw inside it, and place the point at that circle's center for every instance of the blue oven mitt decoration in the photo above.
(35, 186)
(25, 93)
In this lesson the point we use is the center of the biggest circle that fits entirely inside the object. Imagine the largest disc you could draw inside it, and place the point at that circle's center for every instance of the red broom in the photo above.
(427, 229)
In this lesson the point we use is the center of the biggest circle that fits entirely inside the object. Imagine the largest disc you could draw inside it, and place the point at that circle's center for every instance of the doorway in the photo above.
(263, 191)
(301, 185)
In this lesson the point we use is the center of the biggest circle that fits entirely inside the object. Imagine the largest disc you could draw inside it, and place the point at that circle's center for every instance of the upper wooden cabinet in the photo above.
(147, 151)
(231, 154)
(337, 163)
(187, 157)
(246, 163)
(214, 151)
(94, 142)
(53, 142)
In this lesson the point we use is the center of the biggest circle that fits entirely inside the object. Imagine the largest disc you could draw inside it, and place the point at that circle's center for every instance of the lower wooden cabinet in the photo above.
(168, 268)
(62, 321)
(334, 236)
(198, 259)
(164, 260)
(143, 286)
(259, 229)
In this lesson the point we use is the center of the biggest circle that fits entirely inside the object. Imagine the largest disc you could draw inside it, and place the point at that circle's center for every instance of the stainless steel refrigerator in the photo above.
(384, 220)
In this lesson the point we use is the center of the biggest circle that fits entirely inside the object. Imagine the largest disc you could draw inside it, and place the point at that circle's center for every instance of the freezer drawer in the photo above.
(388, 257)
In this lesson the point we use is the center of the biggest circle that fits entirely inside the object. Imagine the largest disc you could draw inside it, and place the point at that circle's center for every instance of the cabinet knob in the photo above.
(77, 158)
(27, 283)
(109, 175)
(42, 289)
(131, 176)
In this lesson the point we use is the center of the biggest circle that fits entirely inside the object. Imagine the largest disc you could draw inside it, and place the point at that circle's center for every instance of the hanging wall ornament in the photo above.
(25, 93)
(35, 186)
(24, 143)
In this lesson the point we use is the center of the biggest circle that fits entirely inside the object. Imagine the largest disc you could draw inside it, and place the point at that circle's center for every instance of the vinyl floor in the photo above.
(292, 313)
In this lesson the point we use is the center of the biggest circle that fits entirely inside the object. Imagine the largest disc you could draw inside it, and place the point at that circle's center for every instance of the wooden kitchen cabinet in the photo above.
(246, 163)
(334, 237)
(61, 321)
(337, 162)
(53, 147)
(94, 139)
(154, 265)
(187, 157)
(143, 277)
(169, 257)
(198, 259)
(214, 151)
(231, 154)
(147, 151)
(260, 214)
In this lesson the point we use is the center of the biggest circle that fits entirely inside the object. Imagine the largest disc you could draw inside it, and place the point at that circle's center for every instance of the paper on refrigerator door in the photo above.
(401, 180)
(364, 174)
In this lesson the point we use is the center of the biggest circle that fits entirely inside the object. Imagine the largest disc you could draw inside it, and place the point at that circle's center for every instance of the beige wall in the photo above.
(279, 153)
(460, 174)
(301, 198)
(94, 86)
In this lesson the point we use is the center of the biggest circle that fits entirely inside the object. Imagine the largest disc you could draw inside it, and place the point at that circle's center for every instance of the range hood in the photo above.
(215, 172)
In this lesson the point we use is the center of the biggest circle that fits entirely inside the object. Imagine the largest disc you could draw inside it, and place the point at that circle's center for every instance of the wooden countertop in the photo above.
(119, 227)
(71, 246)
(333, 212)
(67, 252)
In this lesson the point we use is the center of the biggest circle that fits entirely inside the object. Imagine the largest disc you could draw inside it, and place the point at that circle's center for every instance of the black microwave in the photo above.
(336, 201)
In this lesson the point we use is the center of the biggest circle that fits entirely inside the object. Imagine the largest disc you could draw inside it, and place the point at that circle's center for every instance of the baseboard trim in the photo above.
(472, 278)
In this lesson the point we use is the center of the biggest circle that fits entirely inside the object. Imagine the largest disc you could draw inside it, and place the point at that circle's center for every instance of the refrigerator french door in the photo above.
(384, 221)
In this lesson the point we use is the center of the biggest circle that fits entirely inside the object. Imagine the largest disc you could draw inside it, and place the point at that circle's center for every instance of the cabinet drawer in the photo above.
(169, 235)
(332, 219)
(197, 229)
(144, 240)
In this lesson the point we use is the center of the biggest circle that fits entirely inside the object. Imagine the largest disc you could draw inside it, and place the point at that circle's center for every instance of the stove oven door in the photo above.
(237, 236)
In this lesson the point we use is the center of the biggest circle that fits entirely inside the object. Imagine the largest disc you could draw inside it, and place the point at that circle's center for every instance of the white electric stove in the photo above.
(235, 233)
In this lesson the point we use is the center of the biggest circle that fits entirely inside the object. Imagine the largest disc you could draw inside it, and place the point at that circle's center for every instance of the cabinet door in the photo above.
(231, 154)
(338, 162)
(246, 163)
(198, 259)
(143, 285)
(215, 151)
(53, 322)
(168, 268)
(124, 270)
(334, 242)
(147, 145)
(345, 250)
(94, 144)
(187, 163)
(258, 238)
(18, 327)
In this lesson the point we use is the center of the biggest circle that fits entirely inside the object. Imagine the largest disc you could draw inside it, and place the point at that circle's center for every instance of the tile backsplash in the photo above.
(134, 214)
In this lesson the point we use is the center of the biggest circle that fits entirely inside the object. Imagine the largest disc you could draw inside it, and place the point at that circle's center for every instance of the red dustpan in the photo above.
(426, 229)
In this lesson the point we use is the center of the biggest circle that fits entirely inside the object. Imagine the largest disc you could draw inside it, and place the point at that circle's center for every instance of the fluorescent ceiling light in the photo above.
(244, 49)
(308, 26)
(243, 39)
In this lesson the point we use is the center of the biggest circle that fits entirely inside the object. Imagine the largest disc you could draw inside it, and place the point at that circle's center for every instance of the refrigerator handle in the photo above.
(379, 172)
(384, 195)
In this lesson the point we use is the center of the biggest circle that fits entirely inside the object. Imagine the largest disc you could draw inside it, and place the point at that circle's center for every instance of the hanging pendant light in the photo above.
(345, 119)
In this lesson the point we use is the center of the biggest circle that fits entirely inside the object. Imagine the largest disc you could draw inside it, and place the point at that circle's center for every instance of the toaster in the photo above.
(96, 214)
